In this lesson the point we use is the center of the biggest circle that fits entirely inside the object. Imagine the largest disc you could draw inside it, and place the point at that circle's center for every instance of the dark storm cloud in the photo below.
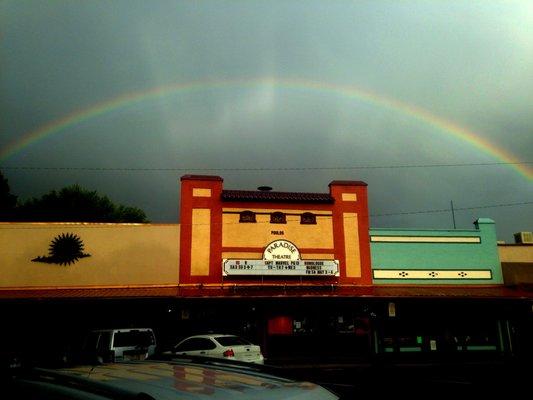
(466, 62)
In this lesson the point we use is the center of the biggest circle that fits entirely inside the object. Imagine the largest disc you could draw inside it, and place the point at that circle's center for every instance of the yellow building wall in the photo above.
(242, 255)
(259, 234)
(200, 241)
(199, 192)
(349, 197)
(516, 253)
(351, 240)
(321, 256)
(121, 255)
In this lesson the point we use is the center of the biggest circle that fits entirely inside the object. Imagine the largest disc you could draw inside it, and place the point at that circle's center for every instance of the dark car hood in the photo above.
(175, 380)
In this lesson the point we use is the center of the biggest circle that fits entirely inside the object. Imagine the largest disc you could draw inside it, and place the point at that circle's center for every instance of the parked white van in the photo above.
(120, 344)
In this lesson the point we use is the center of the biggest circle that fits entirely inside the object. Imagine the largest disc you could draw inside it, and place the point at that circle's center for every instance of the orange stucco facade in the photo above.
(211, 231)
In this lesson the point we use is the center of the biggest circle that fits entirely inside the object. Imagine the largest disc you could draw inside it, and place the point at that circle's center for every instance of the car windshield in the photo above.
(232, 341)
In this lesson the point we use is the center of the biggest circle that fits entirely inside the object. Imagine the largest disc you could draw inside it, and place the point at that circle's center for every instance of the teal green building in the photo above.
(436, 257)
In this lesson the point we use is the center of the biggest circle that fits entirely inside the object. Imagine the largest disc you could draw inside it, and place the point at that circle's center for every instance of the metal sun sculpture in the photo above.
(64, 249)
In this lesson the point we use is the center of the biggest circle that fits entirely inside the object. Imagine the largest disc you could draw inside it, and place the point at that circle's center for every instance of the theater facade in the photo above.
(300, 273)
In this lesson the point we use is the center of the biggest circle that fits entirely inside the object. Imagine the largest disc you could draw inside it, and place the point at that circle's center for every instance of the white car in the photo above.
(230, 347)
(120, 344)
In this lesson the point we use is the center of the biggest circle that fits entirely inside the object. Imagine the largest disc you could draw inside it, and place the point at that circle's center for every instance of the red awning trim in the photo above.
(255, 291)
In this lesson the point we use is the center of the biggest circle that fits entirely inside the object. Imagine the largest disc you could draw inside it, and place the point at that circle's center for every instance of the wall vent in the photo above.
(523, 237)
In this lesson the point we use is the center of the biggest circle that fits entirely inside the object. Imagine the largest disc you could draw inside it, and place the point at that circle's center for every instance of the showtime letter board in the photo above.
(280, 268)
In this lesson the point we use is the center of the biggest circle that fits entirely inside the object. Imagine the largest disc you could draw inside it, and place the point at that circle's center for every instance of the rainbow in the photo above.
(131, 98)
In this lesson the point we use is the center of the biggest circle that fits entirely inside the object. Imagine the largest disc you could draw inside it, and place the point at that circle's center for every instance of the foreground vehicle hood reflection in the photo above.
(185, 381)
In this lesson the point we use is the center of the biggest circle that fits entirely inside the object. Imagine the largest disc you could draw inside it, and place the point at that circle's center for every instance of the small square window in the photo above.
(247, 216)
(278, 218)
(308, 219)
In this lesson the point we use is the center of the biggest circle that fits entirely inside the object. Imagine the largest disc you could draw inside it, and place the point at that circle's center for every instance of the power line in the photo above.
(186, 169)
(104, 225)
(447, 210)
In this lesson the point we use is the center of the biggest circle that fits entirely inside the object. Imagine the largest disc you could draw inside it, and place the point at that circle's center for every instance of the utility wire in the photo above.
(455, 208)
(355, 167)
(113, 224)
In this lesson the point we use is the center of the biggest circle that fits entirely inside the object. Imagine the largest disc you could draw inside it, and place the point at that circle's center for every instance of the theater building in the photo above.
(303, 274)
(238, 237)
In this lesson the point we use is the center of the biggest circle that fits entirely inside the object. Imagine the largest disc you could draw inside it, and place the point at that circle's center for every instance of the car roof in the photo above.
(122, 330)
(190, 380)
(211, 336)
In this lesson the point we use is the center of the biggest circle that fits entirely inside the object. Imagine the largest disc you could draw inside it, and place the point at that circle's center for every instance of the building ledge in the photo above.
(286, 291)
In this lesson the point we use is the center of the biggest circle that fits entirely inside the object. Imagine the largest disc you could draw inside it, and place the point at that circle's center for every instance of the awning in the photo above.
(242, 291)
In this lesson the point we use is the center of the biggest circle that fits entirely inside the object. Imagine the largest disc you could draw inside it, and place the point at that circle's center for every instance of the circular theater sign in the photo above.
(281, 250)
(280, 258)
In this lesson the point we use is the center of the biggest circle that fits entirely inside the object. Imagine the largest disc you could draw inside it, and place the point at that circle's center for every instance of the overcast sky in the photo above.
(467, 63)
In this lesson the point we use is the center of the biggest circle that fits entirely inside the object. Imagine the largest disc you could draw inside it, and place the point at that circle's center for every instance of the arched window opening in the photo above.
(278, 218)
(308, 219)
(247, 216)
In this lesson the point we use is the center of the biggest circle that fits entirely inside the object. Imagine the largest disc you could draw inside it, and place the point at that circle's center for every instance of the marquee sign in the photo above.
(280, 258)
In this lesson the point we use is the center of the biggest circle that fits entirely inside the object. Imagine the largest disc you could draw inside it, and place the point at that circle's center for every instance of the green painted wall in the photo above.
(438, 256)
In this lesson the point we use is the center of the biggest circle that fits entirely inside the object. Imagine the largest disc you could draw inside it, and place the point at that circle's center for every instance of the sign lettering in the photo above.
(293, 268)
(281, 257)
